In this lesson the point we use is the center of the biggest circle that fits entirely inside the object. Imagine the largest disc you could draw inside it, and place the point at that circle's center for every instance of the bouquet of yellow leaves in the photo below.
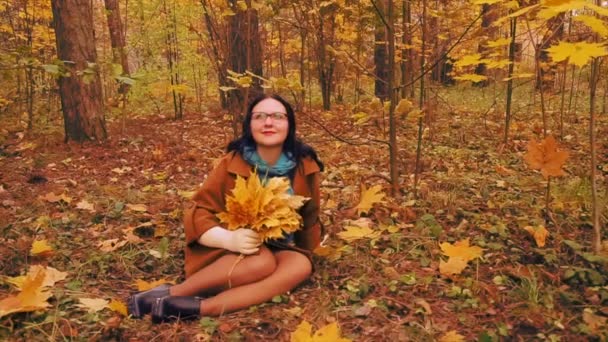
(267, 209)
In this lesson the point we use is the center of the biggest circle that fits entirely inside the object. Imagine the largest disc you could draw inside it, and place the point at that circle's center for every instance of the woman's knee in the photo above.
(262, 264)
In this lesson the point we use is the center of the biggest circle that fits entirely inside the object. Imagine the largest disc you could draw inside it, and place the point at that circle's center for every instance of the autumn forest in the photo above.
(465, 190)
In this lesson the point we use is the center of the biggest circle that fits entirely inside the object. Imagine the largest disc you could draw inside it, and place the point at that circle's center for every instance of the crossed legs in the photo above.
(254, 279)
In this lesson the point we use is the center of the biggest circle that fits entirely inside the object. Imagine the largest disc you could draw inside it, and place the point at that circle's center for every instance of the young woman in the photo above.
(269, 144)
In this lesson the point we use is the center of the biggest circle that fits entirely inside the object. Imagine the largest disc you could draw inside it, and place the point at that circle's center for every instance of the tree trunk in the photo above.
(390, 30)
(117, 40)
(380, 59)
(81, 96)
(245, 54)
(553, 35)
(510, 81)
(486, 22)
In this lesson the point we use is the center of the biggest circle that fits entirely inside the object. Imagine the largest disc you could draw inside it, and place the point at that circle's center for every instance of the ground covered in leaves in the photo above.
(110, 215)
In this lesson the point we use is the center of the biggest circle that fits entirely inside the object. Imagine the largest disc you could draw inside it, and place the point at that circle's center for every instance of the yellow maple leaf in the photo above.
(545, 156)
(454, 265)
(353, 233)
(39, 247)
(51, 276)
(328, 333)
(368, 198)
(266, 208)
(452, 336)
(467, 60)
(539, 233)
(143, 285)
(577, 53)
(461, 249)
(118, 306)
(471, 77)
(32, 297)
(594, 23)
(459, 253)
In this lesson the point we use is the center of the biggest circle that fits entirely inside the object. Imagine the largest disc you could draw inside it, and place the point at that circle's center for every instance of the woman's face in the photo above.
(269, 124)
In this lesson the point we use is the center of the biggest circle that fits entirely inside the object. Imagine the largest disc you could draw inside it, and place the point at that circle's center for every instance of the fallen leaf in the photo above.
(593, 321)
(461, 249)
(40, 247)
(454, 265)
(459, 253)
(84, 205)
(328, 333)
(452, 336)
(539, 233)
(137, 207)
(51, 276)
(93, 304)
(143, 285)
(32, 297)
(52, 198)
(353, 233)
(111, 245)
(368, 198)
(118, 306)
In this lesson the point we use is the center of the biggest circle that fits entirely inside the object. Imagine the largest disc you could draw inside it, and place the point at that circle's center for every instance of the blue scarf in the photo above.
(281, 168)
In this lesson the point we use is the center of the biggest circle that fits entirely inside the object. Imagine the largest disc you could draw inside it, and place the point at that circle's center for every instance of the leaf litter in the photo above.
(375, 280)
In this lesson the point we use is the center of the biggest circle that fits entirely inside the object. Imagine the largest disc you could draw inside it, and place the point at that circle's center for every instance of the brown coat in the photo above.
(199, 215)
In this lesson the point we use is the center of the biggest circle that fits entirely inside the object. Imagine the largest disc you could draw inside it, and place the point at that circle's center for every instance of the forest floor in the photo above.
(112, 213)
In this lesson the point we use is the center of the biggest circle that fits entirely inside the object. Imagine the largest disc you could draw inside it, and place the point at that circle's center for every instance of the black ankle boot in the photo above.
(140, 303)
(175, 307)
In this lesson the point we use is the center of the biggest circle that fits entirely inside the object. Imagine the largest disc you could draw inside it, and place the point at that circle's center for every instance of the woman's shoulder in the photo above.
(309, 165)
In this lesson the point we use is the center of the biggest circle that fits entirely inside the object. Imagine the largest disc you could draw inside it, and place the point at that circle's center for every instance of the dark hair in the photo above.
(292, 144)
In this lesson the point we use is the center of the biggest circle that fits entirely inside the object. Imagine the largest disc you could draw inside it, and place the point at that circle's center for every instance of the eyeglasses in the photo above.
(261, 116)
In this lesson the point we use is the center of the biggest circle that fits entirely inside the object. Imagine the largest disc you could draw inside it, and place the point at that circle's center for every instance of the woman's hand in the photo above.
(245, 241)
(242, 240)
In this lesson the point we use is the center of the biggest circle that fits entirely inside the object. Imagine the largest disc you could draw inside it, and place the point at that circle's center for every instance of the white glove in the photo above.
(242, 240)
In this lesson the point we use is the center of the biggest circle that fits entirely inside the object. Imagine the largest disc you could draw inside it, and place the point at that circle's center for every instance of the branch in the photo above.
(442, 57)
(335, 136)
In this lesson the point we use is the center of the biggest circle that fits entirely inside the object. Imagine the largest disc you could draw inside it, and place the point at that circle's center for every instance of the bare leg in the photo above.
(216, 275)
(292, 268)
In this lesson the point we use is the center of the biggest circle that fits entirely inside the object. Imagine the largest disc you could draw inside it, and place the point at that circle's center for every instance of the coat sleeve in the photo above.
(199, 214)
(309, 237)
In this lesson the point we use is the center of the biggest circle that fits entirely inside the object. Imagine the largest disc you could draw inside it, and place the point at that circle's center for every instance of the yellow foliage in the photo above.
(594, 23)
(328, 333)
(368, 198)
(471, 77)
(576, 53)
(267, 209)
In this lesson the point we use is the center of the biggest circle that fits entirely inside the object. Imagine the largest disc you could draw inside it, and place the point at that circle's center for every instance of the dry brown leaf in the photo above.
(539, 233)
(111, 245)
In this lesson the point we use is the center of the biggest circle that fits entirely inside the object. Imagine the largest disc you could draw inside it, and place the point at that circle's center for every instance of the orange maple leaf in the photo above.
(546, 157)
(33, 296)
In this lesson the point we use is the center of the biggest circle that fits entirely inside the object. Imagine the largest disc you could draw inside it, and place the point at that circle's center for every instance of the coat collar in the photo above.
(238, 166)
